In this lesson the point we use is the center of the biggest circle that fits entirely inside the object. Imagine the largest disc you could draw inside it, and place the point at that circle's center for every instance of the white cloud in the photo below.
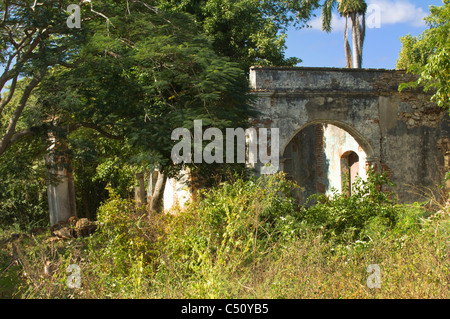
(400, 11)
(386, 12)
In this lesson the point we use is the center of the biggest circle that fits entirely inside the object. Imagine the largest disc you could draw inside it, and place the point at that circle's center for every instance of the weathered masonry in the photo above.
(337, 121)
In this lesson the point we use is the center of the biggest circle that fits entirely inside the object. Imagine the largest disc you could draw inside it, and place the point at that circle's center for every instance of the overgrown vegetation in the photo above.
(103, 100)
(348, 218)
(428, 57)
(245, 238)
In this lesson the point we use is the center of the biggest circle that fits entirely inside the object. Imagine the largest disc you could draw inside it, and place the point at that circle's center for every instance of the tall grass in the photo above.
(244, 239)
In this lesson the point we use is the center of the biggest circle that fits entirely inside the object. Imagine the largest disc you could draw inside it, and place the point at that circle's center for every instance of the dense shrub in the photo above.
(230, 227)
(345, 217)
(124, 248)
(23, 186)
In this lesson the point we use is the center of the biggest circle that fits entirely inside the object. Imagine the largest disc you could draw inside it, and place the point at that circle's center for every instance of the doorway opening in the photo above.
(319, 156)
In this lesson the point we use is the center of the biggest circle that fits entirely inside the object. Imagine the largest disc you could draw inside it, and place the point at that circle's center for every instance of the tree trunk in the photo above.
(358, 35)
(355, 41)
(157, 193)
(348, 51)
(362, 35)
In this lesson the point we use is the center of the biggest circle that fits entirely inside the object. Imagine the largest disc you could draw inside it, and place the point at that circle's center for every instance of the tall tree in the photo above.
(428, 55)
(146, 74)
(34, 37)
(355, 10)
(249, 32)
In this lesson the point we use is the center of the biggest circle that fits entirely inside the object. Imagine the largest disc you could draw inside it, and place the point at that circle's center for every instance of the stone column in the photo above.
(61, 196)
(60, 186)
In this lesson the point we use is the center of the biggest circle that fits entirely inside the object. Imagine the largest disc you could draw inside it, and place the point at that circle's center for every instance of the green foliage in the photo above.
(23, 195)
(34, 38)
(428, 55)
(249, 32)
(352, 6)
(124, 248)
(119, 176)
(133, 77)
(353, 10)
(10, 279)
(241, 240)
(123, 229)
(230, 226)
(409, 219)
(345, 217)
(413, 51)
(344, 7)
(137, 75)
(145, 75)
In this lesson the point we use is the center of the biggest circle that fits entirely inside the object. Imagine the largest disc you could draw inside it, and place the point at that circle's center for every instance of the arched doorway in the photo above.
(318, 156)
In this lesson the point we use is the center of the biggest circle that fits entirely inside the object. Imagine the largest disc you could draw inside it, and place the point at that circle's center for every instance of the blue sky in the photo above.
(382, 43)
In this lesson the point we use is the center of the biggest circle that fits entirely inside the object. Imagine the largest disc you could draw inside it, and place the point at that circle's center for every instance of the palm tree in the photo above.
(356, 11)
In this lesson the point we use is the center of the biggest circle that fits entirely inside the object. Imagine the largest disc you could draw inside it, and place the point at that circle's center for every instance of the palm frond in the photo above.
(327, 12)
